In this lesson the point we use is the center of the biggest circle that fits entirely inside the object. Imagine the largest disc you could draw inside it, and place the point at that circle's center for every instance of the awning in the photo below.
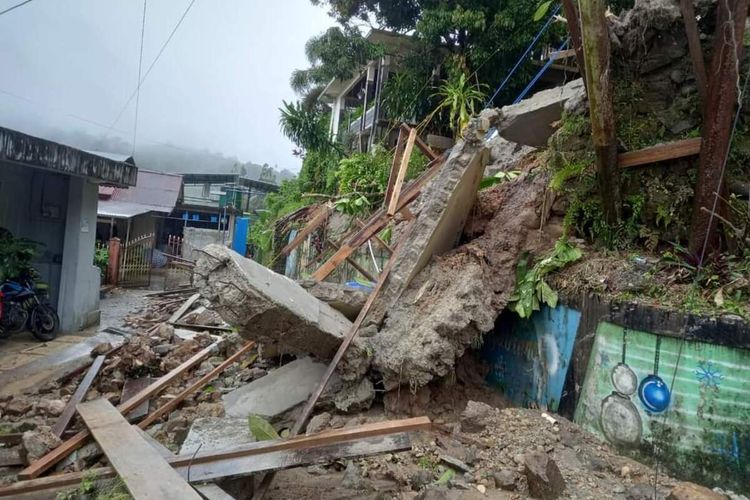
(125, 209)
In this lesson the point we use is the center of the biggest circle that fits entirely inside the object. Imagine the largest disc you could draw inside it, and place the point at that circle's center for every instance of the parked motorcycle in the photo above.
(25, 304)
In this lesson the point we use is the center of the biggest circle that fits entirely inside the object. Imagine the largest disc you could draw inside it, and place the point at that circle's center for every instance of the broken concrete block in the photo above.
(543, 476)
(475, 416)
(505, 155)
(51, 407)
(266, 306)
(37, 443)
(345, 299)
(318, 423)
(213, 434)
(279, 391)
(447, 201)
(357, 397)
(530, 121)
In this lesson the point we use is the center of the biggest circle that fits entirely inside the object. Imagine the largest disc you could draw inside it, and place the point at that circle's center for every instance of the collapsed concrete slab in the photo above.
(216, 433)
(505, 155)
(530, 121)
(266, 306)
(276, 393)
(445, 205)
(345, 299)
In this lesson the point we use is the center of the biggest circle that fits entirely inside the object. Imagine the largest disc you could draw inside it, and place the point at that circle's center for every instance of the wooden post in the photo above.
(113, 264)
(694, 44)
(717, 123)
(574, 28)
(597, 54)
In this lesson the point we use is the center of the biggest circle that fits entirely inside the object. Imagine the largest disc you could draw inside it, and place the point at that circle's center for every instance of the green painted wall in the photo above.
(704, 434)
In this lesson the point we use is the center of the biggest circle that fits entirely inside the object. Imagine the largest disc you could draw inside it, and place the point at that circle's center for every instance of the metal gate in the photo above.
(135, 261)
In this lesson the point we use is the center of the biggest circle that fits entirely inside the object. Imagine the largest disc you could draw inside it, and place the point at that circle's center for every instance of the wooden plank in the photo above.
(167, 408)
(396, 194)
(660, 152)
(321, 215)
(403, 133)
(10, 457)
(209, 328)
(83, 388)
(184, 308)
(327, 438)
(213, 492)
(145, 473)
(78, 440)
(377, 222)
(377, 238)
(694, 45)
(423, 146)
(354, 263)
(130, 388)
(162, 450)
(562, 54)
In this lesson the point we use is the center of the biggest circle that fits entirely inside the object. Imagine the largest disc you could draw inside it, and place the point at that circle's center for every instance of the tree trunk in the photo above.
(694, 44)
(717, 124)
(596, 52)
(574, 28)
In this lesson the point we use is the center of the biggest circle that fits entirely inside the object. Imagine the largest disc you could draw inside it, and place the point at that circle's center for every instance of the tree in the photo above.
(307, 128)
(596, 52)
(717, 124)
(337, 53)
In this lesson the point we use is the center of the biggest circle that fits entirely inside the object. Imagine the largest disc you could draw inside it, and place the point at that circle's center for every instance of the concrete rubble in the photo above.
(276, 393)
(216, 433)
(267, 306)
(345, 299)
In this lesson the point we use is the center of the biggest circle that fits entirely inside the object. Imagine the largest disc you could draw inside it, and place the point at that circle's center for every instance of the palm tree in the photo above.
(307, 128)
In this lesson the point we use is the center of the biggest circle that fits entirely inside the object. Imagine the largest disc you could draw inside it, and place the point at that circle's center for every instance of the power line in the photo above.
(138, 88)
(153, 63)
(14, 7)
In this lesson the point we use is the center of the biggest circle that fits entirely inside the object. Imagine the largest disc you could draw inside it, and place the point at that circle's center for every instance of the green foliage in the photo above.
(636, 130)
(446, 477)
(261, 429)
(101, 259)
(402, 95)
(307, 128)
(285, 201)
(16, 255)
(364, 172)
(97, 489)
(498, 178)
(462, 99)
(337, 53)
(542, 10)
(531, 288)
(318, 171)
(569, 171)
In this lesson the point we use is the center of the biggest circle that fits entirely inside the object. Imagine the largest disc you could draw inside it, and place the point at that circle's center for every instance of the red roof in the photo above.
(153, 192)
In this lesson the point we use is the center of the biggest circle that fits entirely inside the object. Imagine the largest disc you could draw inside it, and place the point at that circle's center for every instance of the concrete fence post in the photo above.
(113, 266)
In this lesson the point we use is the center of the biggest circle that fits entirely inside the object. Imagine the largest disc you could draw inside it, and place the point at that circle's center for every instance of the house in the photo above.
(49, 194)
(140, 210)
(364, 91)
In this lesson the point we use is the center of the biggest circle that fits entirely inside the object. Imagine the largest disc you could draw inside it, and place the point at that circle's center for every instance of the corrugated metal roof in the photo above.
(153, 192)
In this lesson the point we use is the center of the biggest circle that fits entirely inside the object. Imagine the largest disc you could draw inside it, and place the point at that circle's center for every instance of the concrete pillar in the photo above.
(113, 266)
(78, 304)
(336, 116)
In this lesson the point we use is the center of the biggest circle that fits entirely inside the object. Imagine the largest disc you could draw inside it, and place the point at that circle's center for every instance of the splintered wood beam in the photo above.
(83, 388)
(78, 440)
(185, 462)
(377, 221)
(397, 155)
(377, 239)
(660, 152)
(356, 265)
(321, 215)
(146, 474)
(423, 146)
(401, 175)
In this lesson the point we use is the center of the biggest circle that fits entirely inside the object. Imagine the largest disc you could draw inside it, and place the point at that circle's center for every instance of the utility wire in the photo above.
(151, 66)
(14, 7)
(138, 88)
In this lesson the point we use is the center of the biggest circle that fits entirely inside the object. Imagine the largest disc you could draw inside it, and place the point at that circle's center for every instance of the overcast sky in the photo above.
(217, 86)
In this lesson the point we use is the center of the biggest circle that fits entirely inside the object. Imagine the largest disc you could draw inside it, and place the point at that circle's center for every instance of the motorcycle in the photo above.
(25, 304)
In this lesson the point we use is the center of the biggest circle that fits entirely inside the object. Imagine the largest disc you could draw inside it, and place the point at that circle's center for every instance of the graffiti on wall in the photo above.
(637, 396)
(529, 358)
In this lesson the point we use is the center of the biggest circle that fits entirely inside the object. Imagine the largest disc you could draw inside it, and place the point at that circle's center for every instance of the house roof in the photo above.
(153, 192)
(41, 153)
